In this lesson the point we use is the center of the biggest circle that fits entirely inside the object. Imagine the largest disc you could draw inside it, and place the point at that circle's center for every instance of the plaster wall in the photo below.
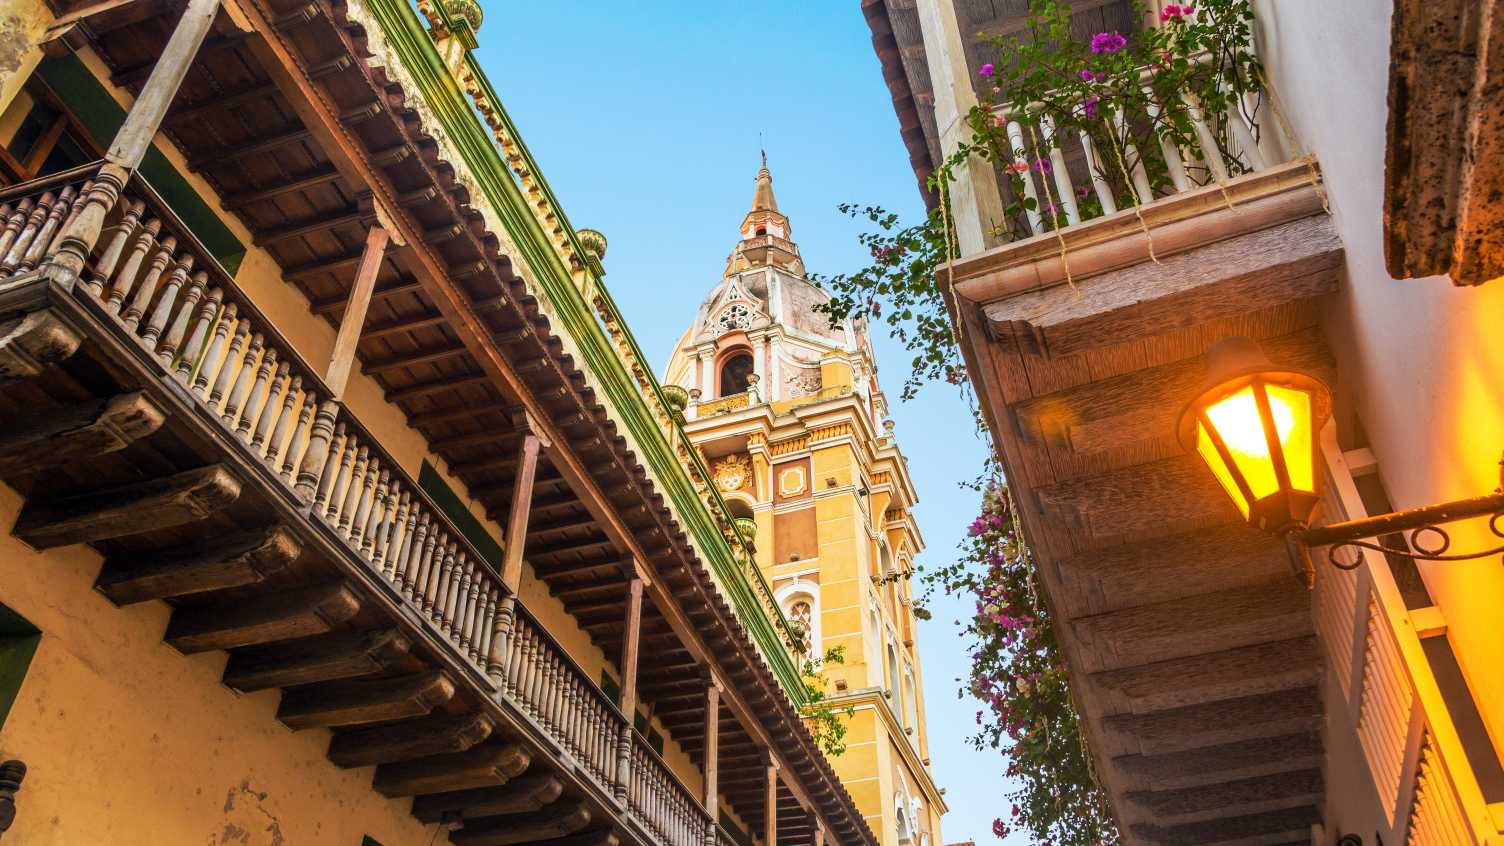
(130, 743)
(1420, 359)
(22, 23)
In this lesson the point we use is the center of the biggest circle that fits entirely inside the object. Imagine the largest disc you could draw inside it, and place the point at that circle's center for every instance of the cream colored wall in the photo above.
(1422, 358)
(129, 743)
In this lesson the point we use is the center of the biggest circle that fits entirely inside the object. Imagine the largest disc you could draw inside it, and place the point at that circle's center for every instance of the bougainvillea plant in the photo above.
(827, 724)
(1177, 87)
(1017, 674)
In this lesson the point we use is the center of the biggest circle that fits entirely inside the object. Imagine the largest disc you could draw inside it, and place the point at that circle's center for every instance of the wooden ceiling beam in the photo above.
(502, 439)
(437, 386)
(320, 222)
(529, 792)
(183, 113)
(385, 744)
(414, 359)
(301, 182)
(446, 415)
(253, 147)
(1246, 718)
(401, 326)
(1222, 762)
(134, 75)
(1271, 827)
(1233, 798)
(1245, 671)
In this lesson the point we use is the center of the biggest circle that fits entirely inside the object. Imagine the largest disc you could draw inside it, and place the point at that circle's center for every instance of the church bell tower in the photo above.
(787, 412)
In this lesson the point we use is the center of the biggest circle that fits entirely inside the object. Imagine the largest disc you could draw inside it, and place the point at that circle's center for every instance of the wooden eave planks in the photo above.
(1183, 629)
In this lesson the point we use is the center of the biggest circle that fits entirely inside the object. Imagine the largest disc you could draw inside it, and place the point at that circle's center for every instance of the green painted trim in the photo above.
(88, 101)
(454, 508)
(18, 644)
(403, 29)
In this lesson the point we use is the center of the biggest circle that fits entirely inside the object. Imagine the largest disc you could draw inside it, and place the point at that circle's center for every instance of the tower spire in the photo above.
(763, 199)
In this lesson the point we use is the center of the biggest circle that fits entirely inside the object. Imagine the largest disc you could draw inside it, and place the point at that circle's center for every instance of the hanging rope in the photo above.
(1289, 132)
(1054, 212)
(1132, 189)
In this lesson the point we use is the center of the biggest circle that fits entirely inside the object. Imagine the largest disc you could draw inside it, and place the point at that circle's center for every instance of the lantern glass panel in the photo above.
(1292, 421)
(1208, 450)
(1236, 418)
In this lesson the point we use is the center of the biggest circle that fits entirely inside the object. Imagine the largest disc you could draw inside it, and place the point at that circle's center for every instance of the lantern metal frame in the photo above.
(1238, 363)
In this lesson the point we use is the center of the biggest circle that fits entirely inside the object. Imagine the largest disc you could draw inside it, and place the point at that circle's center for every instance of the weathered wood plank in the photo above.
(1276, 826)
(412, 739)
(1292, 261)
(32, 343)
(264, 619)
(1227, 619)
(1151, 500)
(203, 565)
(345, 703)
(1207, 677)
(549, 825)
(311, 660)
(526, 793)
(128, 509)
(1222, 762)
(491, 765)
(58, 437)
(1181, 729)
(1232, 798)
(1206, 560)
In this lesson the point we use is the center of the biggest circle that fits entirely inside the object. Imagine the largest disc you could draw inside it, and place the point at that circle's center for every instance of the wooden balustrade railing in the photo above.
(1034, 141)
(1425, 783)
(551, 688)
(661, 803)
(724, 838)
(150, 274)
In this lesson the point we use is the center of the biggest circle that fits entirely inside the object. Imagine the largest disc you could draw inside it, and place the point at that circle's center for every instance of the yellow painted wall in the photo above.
(129, 743)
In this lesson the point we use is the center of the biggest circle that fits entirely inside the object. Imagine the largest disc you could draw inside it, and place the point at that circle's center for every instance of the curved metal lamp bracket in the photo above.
(1423, 529)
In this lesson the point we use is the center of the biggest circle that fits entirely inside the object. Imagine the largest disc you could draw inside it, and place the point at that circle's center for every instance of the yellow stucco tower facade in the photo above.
(787, 412)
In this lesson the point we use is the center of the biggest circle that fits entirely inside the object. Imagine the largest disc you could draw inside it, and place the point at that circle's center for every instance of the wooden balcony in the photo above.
(159, 415)
(1189, 641)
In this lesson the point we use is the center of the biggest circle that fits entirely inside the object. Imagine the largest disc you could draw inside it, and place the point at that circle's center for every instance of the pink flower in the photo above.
(1017, 167)
(999, 121)
(1042, 165)
(1087, 76)
(985, 70)
(1107, 42)
(1090, 107)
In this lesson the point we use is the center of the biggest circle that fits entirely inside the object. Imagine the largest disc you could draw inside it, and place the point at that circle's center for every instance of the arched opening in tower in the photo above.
(736, 373)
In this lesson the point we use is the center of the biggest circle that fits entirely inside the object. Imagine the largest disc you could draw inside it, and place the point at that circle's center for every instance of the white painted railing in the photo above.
(1053, 188)
(1425, 783)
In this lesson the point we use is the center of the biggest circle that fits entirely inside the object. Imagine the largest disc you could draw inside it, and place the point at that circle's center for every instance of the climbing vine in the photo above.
(1017, 674)
(825, 722)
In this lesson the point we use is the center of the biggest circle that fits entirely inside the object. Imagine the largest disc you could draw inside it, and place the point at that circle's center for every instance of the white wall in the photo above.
(1422, 359)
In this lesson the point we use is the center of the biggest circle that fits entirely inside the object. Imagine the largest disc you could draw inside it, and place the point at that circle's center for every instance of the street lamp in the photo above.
(1256, 428)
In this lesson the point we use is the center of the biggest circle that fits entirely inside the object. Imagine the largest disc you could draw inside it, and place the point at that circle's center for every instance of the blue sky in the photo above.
(645, 117)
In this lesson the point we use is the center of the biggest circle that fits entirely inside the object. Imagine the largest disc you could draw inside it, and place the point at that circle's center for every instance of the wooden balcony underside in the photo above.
(1188, 638)
(302, 138)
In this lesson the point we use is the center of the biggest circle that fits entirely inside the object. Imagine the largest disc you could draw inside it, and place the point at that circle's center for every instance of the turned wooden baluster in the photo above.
(236, 358)
(28, 233)
(17, 219)
(459, 585)
(240, 389)
(74, 208)
(351, 500)
(413, 559)
(214, 358)
(12, 773)
(389, 535)
(300, 434)
(328, 475)
(442, 610)
(119, 239)
(203, 324)
(125, 277)
(141, 297)
(484, 621)
(403, 552)
(278, 408)
(472, 611)
(316, 456)
(369, 518)
(362, 509)
(453, 594)
(169, 299)
(173, 340)
(40, 245)
(256, 405)
(428, 562)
